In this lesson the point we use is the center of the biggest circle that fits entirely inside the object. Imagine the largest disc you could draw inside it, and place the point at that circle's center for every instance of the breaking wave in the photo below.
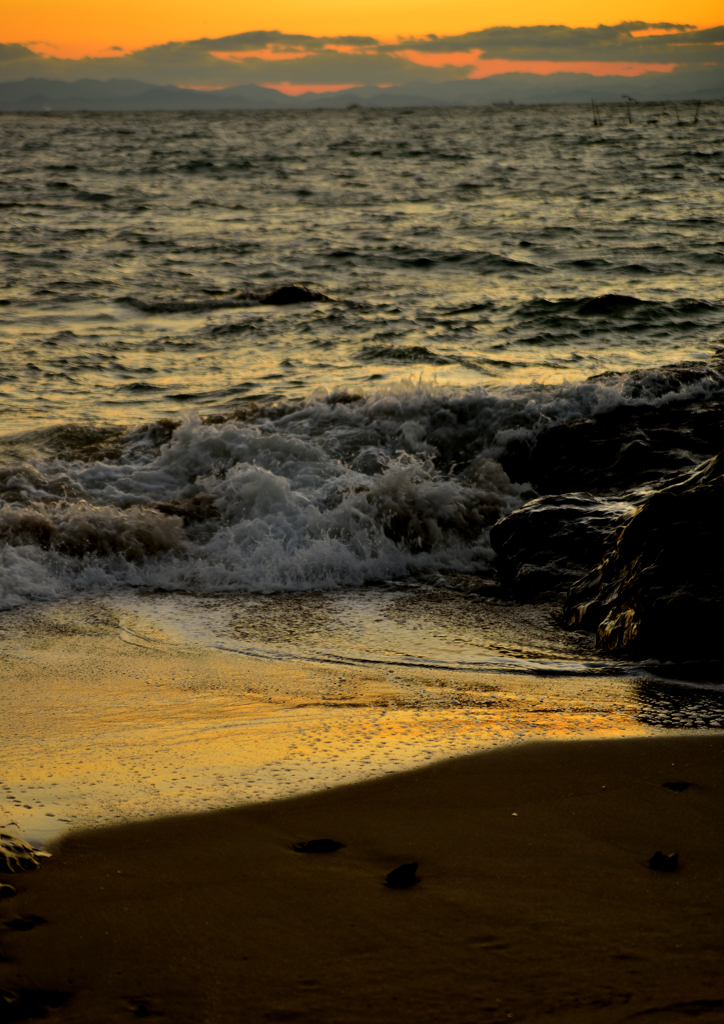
(339, 490)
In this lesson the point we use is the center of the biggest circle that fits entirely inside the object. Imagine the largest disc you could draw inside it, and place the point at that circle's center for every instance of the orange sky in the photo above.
(76, 28)
(483, 68)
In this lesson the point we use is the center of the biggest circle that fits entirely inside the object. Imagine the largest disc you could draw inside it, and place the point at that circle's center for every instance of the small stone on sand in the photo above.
(26, 923)
(403, 877)
(318, 846)
(677, 787)
(6, 891)
(664, 861)
(29, 1004)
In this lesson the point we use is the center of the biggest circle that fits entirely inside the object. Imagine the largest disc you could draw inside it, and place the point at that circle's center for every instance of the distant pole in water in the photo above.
(596, 115)
(678, 119)
(696, 114)
(628, 111)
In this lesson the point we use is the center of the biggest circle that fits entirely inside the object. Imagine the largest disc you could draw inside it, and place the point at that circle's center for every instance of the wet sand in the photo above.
(536, 901)
(108, 716)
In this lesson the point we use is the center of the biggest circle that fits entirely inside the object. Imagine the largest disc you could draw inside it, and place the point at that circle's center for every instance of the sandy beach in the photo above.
(536, 901)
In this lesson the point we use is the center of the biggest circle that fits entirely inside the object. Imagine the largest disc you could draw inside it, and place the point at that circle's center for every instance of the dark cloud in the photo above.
(558, 42)
(316, 60)
(666, 26)
(280, 40)
(708, 35)
(14, 51)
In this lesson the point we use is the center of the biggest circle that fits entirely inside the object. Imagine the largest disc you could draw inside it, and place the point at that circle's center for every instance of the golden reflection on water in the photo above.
(102, 724)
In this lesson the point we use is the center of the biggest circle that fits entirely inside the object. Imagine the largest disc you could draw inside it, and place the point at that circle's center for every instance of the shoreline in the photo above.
(535, 899)
(109, 717)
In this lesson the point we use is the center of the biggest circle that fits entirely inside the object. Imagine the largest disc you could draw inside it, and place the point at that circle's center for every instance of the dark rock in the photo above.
(6, 891)
(194, 510)
(402, 877)
(664, 861)
(551, 542)
(318, 846)
(608, 305)
(660, 591)
(289, 294)
(141, 1009)
(625, 447)
(677, 787)
(17, 855)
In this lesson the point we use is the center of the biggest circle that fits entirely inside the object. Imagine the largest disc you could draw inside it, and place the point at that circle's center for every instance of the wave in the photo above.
(403, 354)
(285, 295)
(226, 508)
(83, 529)
(184, 305)
(405, 256)
(338, 490)
(616, 306)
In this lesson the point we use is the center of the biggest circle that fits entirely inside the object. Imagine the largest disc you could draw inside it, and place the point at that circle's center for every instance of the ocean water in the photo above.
(489, 273)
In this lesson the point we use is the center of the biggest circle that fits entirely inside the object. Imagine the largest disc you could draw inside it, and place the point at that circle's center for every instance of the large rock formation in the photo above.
(549, 543)
(660, 591)
(630, 518)
(627, 446)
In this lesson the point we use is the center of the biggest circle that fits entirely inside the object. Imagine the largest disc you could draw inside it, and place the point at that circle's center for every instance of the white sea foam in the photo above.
(334, 492)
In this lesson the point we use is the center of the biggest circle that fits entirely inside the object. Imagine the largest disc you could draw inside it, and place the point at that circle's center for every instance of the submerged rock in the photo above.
(660, 591)
(549, 543)
(17, 855)
(197, 509)
(289, 294)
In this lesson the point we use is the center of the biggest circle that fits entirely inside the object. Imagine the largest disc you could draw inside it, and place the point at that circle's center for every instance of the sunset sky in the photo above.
(322, 44)
(78, 28)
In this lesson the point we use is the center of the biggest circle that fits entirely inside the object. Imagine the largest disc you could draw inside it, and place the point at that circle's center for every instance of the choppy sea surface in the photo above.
(489, 273)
